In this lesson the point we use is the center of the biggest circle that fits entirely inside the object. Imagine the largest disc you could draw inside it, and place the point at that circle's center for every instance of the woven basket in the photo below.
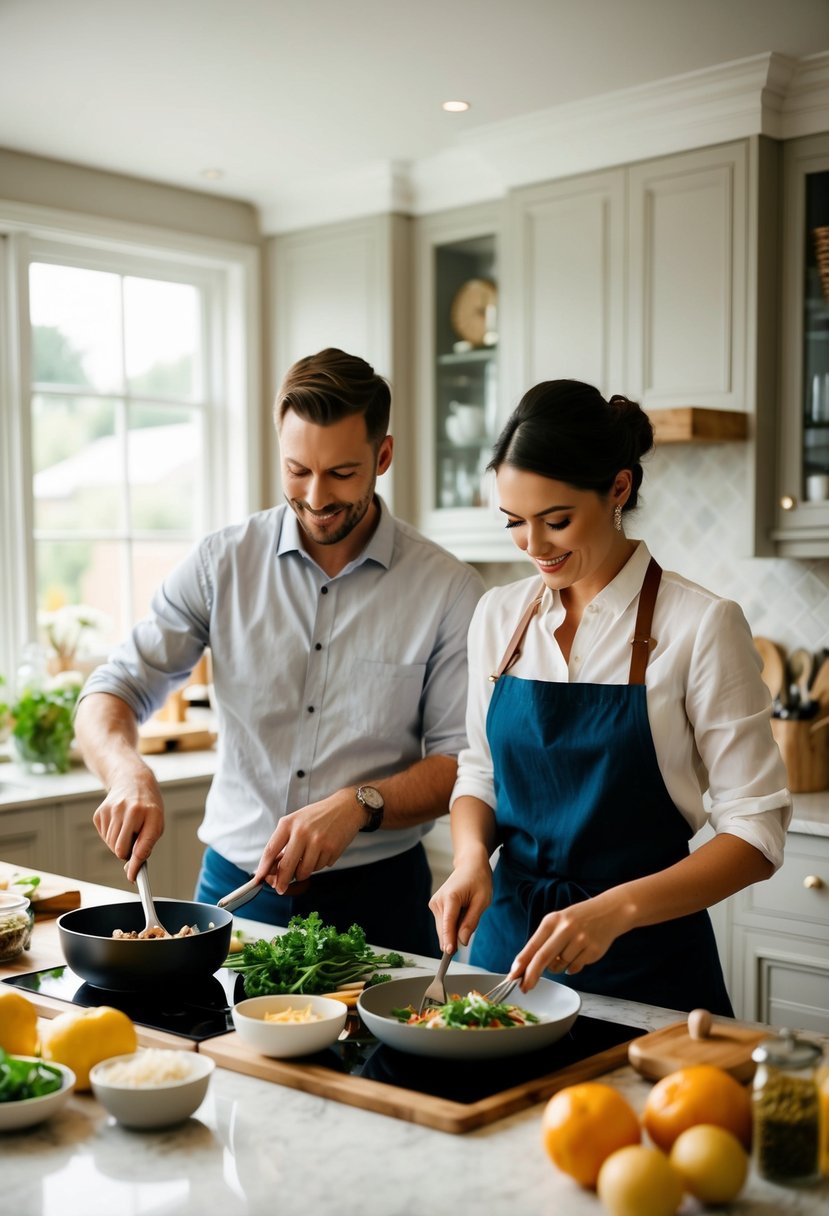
(821, 236)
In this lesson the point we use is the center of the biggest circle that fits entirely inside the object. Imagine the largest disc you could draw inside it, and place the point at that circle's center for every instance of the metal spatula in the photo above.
(142, 881)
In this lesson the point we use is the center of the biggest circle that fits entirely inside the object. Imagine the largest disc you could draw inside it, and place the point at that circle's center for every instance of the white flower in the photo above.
(65, 679)
(73, 629)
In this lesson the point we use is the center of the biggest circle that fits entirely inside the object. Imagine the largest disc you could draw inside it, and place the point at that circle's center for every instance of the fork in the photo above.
(435, 994)
(502, 990)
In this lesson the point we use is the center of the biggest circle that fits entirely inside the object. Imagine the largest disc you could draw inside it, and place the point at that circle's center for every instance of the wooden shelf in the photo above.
(692, 424)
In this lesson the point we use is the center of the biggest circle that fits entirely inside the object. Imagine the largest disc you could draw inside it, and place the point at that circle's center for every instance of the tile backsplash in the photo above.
(692, 513)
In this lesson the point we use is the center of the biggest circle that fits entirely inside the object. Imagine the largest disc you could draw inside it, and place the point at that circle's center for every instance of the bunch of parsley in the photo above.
(310, 957)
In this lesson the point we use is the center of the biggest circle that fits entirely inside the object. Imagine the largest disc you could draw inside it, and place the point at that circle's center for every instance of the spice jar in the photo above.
(16, 921)
(785, 1108)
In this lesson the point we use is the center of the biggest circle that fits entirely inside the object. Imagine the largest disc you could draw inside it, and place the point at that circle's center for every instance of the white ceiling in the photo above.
(288, 95)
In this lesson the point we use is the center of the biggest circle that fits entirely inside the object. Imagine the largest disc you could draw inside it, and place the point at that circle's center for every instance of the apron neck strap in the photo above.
(642, 642)
(513, 649)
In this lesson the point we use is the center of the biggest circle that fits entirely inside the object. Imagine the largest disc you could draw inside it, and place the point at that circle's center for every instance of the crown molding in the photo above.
(768, 94)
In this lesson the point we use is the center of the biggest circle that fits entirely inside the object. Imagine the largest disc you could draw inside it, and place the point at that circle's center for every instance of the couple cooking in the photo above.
(364, 686)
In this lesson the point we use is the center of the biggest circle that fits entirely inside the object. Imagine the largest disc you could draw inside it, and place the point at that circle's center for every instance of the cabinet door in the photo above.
(87, 857)
(28, 838)
(566, 255)
(802, 520)
(785, 980)
(180, 849)
(687, 279)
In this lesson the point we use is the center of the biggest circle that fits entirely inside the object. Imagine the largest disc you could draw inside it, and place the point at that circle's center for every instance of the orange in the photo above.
(700, 1093)
(639, 1181)
(583, 1124)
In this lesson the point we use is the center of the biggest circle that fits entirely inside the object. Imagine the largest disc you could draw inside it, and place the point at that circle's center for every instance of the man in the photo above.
(338, 642)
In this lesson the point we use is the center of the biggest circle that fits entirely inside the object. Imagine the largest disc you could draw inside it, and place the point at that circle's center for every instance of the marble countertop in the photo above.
(254, 1147)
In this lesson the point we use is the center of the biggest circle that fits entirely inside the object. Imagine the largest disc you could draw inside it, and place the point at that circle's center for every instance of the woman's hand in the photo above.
(571, 939)
(458, 905)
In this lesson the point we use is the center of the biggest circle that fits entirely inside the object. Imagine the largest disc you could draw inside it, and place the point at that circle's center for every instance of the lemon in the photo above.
(711, 1162)
(18, 1024)
(639, 1181)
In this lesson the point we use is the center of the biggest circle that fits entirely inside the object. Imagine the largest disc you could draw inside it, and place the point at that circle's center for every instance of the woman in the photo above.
(604, 702)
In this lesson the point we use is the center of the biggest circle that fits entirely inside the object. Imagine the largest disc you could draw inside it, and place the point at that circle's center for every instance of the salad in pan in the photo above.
(469, 1012)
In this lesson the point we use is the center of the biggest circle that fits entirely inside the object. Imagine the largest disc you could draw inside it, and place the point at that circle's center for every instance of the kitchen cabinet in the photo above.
(802, 515)
(31, 841)
(779, 929)
(635, 280)
(60, 836)
(460, 304)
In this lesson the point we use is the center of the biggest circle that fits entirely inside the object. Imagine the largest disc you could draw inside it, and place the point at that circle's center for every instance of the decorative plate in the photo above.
(468, 309)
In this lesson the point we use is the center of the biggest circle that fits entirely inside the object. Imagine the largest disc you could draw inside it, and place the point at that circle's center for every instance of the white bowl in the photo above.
(28, 1111)
(285, 1039)
(158, 1103)
(556, 1005)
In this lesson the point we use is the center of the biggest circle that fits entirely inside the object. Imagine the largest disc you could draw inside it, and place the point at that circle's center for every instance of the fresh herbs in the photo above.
(310, 957)
(20, 1079)
(470, 1012)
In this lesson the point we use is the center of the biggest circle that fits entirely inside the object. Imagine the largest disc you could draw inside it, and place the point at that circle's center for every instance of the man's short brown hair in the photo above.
(332, 385)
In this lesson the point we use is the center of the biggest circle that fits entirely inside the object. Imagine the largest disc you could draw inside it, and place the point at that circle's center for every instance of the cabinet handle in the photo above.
(788, 502)
(813, 882)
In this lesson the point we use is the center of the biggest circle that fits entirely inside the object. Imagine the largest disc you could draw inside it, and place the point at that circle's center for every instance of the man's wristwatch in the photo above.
(371, 800)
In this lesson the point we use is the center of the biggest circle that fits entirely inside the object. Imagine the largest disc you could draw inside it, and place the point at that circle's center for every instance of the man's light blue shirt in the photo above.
(320, 683)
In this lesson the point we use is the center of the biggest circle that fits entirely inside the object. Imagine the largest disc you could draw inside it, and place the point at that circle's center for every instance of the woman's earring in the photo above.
(617, 518)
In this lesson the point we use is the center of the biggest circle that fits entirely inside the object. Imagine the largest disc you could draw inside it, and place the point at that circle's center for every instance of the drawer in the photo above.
(799, 891)
(785, 981)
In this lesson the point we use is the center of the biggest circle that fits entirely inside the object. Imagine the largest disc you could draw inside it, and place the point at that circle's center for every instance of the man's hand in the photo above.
(310, 839)
(131, 818)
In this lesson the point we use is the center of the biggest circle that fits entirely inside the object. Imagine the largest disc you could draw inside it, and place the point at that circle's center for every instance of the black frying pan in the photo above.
(107, 962)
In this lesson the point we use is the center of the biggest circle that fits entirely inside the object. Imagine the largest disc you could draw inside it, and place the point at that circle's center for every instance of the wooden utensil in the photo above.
(700, 1040)
(774, 666)
(819, 690)
(801, 670)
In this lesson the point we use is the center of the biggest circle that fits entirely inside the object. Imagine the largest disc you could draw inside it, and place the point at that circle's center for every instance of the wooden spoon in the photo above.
(801, 670)
(819, 690)
(774, 666)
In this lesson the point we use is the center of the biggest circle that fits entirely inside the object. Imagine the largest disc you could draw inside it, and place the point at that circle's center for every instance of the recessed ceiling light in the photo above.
(455, 107)
(213, 175)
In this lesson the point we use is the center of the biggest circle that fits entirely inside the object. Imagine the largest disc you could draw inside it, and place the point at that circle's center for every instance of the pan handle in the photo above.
(239, 897)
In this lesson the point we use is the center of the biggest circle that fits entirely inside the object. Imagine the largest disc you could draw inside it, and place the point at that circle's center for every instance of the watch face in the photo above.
(370, 797)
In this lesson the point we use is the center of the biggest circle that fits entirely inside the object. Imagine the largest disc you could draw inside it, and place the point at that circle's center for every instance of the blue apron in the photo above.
(581, 807)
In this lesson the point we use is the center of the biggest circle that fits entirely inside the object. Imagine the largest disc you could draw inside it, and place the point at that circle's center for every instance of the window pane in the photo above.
(78, 464)
(76, 326)
(165, 452)
(151, 562)
(162, 334)
(82, 572)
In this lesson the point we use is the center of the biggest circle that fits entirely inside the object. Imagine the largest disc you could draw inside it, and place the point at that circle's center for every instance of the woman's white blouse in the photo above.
(707, 704)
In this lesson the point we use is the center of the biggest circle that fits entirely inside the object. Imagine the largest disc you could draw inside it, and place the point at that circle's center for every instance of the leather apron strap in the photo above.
(641, 642)
(513, 649)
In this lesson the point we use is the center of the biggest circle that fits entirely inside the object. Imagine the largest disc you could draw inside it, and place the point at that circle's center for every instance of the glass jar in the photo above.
(786, 1110)
(16, 921)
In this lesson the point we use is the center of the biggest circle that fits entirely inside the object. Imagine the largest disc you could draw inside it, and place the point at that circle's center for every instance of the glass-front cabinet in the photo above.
(803, 483)
(460, 306)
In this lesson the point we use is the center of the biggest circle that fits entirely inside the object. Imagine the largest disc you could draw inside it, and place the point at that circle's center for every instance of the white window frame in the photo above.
(229, 273)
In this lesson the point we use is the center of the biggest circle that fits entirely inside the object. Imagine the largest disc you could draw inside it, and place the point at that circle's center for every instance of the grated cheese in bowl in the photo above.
(290, 1014)
(154, 1066)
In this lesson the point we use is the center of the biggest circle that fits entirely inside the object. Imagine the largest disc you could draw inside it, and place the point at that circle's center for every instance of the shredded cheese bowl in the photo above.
(152, 1087)
(289, 1025)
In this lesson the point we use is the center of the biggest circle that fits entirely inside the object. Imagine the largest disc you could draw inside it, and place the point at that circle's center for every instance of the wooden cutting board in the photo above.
(50, 898)
(728, 1046)
(155, 737)
(428, 1110)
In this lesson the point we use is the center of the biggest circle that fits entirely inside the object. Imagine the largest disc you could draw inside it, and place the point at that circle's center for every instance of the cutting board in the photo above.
(728, 1046)
(158, 736)
(50, 898)
(428, 1110)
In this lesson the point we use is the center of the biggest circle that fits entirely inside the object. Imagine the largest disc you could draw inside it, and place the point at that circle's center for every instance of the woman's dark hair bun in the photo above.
(565, 430)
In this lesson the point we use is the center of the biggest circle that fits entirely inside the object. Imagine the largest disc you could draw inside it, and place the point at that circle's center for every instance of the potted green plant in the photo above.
(42, 722)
